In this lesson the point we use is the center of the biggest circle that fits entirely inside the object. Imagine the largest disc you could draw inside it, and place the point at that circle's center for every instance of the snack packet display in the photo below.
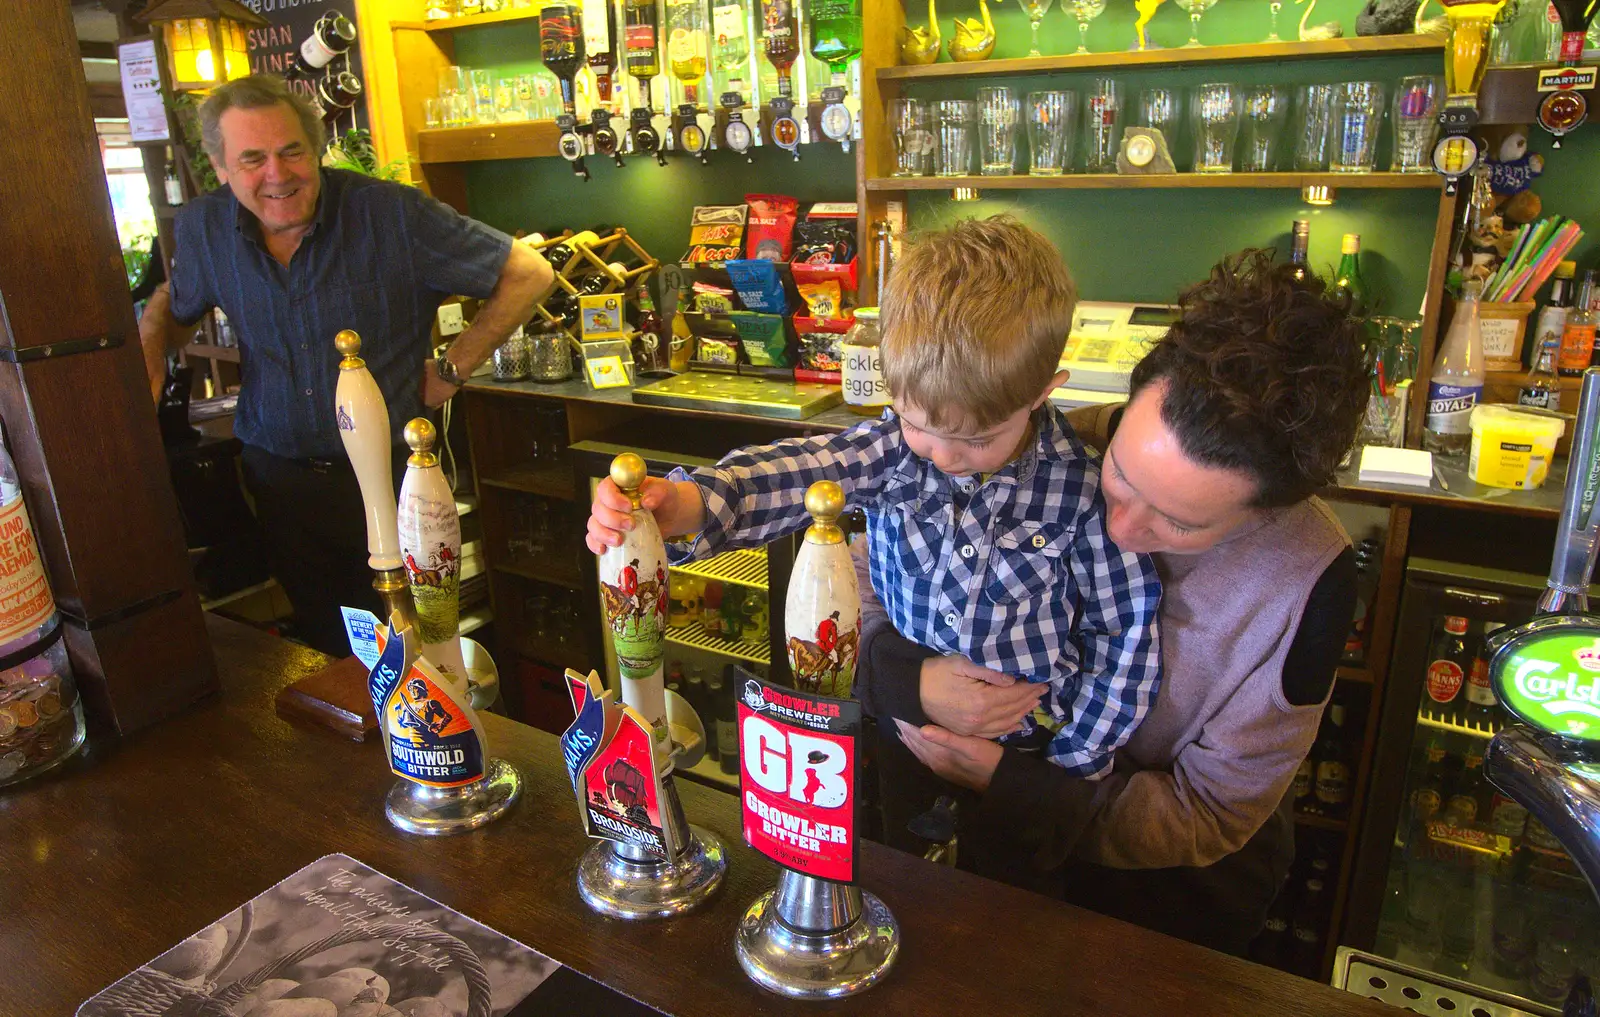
(822, 297)
(716, 233)
(758, 285)
(717, 349)
(763, 337)
(827, 236)
(710, 298)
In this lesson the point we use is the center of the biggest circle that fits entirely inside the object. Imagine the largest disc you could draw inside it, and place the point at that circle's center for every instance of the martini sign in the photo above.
(1548, 674)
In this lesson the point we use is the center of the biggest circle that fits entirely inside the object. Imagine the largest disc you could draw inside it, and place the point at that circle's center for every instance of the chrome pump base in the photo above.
(438, 812)
(625, 882)
(816, 939)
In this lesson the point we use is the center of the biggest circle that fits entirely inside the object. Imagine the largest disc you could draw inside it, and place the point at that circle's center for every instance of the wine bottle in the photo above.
(599, 41)
(561, 47)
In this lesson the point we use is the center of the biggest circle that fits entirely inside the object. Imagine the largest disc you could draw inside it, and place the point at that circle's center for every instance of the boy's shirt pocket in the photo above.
(917, 526)
(1026, 561)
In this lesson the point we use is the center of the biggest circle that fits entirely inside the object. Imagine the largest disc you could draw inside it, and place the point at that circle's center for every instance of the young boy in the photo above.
(986, 525)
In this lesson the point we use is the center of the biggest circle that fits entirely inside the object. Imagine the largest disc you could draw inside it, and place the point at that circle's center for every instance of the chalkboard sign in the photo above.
(273, 49)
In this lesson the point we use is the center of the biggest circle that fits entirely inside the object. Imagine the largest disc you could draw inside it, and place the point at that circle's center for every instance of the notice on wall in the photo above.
(141, 90)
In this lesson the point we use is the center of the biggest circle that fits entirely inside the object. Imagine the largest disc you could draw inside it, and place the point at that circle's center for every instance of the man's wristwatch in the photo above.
(447, 371)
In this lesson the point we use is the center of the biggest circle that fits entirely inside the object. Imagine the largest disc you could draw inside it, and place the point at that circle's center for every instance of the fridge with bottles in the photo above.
(1452, 877)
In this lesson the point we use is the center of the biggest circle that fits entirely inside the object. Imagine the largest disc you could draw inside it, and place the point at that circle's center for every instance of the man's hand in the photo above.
(969, 762)
(435, 390)
(971, 700)
(678, 508)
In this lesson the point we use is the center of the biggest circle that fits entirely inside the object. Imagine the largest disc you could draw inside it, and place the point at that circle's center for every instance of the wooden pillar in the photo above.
(79, 420)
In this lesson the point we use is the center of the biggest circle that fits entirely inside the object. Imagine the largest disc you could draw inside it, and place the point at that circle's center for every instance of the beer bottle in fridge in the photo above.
(727, 715)
(1331, 783)
(1306, 930)
(1448, 663)
(1482, 709)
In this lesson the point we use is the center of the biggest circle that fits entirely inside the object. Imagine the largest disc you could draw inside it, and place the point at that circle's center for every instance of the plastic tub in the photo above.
(1512, 448)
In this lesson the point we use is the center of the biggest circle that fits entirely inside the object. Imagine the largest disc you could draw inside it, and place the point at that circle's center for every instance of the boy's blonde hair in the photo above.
(974, 320)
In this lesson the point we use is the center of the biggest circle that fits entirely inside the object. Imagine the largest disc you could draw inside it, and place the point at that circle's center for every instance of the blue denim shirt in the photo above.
(379, 258)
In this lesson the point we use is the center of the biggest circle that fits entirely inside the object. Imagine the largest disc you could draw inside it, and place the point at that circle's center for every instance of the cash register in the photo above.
(1107, 339)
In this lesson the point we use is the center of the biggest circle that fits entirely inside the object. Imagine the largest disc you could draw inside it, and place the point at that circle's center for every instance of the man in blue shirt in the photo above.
(292, 253)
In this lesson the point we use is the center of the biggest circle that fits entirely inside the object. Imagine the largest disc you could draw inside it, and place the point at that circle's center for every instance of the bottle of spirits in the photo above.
(1541, 388)
(599, 42)
(836, 35)
(1553, 315)
(561, 47)
(730, 40)
(780, 40)
(641, 31)
(686, 45)
(1299, 245)
(1456, 385)
(1578, 331)
(1349, 276)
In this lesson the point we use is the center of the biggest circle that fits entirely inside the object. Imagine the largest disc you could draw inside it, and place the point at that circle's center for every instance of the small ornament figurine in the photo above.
(921, 45)
(1147, 10)
(822, 613)
(1512, 171)
(974, 39)
(1313, 33)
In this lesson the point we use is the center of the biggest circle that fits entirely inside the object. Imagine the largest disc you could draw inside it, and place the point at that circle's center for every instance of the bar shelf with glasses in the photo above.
(1081, 181)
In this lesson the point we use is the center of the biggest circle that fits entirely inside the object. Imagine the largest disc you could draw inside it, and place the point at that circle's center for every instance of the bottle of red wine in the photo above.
(337, 93)
(332, 35)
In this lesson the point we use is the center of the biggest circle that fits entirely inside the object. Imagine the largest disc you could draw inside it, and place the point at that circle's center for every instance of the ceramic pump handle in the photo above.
(363, 421)
(822, 611)
(430, 541)
(1578, 533)
(633, 584)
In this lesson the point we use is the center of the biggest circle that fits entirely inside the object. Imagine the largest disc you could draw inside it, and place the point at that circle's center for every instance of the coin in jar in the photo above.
(48, 705)
(8, 722)
(10, 763)
(26, 713)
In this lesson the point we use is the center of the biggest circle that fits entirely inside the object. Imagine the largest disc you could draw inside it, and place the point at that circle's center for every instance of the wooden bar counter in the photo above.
(116, 858)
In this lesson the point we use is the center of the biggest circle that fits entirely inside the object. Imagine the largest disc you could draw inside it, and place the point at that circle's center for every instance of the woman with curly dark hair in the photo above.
(1235, 420)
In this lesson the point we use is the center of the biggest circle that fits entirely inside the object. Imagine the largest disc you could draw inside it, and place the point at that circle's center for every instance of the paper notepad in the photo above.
(1383, 465)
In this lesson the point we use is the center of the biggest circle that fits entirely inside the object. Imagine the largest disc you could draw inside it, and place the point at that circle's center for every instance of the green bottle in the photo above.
(1349, 278)
(836, 34)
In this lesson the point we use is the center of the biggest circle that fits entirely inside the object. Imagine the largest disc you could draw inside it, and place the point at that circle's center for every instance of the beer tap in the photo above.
(432, 736)
(1546, 672)
(817, 935)
(627, 876)
(1465, 60)
(1565, 107)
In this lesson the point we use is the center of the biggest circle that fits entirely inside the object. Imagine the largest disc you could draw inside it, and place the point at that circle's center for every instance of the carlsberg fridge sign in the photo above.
(1551, 679)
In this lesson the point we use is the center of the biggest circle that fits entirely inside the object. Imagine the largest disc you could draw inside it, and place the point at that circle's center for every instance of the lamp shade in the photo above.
(204, 40)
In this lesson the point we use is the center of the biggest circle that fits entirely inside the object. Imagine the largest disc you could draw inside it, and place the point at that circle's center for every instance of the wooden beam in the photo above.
(106, 101)
(80, 424)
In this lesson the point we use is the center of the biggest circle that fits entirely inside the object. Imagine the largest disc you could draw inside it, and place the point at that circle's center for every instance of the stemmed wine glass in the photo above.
(1086, 11)
(1274, 7)
(1036, 10)
(1196, 8)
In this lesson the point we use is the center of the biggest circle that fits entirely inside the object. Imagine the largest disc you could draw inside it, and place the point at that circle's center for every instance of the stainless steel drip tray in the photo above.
(739, 393)
(1425, 992)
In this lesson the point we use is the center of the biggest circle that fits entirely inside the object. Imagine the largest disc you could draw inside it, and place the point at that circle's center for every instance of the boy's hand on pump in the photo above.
(677, 511)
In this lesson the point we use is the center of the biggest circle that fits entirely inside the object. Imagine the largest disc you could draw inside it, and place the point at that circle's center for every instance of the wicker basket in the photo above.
(151, 993)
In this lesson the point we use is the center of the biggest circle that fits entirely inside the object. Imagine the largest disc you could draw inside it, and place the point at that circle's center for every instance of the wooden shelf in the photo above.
(452, 24)
(1070, 181)
(546, 481)
(543, 572)
(210, 352)
(1235, 53)
(1321, 822)
(525, 139)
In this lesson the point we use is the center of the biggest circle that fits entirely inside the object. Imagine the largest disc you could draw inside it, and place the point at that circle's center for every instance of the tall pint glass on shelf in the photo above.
(41, 718)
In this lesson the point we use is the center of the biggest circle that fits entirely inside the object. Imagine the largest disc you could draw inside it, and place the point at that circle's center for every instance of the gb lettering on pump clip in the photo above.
(571, 145)
(646, 139)
(605, 137)
(785, 129)
(692, 135)
(738, 135)
(837, 124)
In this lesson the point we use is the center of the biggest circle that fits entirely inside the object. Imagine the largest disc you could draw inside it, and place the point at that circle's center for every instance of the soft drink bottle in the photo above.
(1456, 385)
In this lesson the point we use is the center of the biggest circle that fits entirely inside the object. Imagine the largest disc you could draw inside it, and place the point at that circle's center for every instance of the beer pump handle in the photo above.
(363, 422)
(643, 545)
(1578, 533)
(430, 537)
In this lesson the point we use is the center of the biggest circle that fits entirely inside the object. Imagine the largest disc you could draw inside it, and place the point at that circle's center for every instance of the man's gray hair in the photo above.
(256, 92)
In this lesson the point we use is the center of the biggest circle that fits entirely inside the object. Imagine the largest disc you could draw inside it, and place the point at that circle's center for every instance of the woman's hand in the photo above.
(678, 512)
(970, 700)
(960, 759)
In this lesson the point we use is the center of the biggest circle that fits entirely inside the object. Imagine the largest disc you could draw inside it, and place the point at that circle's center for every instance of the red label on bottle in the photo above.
(1478, 690)
(640, 37)
(1444, 680)
(1571, 47)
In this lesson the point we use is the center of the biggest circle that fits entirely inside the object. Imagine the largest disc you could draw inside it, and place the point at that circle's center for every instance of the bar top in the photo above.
(112, 860)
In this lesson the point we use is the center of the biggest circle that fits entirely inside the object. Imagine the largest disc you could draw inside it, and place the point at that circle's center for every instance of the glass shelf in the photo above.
(1446, 719)
(695, 635)
(741, 567)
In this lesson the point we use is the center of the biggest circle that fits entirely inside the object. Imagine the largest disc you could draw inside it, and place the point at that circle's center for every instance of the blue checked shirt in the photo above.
(1014, 571)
